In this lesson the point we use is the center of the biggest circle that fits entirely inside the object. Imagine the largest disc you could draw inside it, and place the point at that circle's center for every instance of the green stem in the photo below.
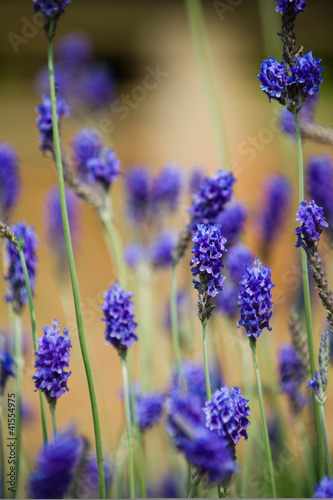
(263, 419)
(140, 462)
(199, 37)
(174, 322)
(19, 364)
(189, 477)
(205, 356)
(112, 237)
(71, 262)
(307, 301)
(34, 337)
(54, 423)
(145, 299)
(128, 428)
(310, 465)
(2, 458)
(325, 441)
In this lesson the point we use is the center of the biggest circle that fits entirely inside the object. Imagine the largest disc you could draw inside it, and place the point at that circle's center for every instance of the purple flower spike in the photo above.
(149, 410)
(9, 179)
(296, 5)
(17, 292)
(232, 221)
(86, 144)
(238, 258)
(167, 188)
(312, 224)
(56, 466)
(51, 9)
(227, 300)
(119, 318)
(138, 189)
(52, 357)
(292, 376)
(162, 248)
(306, 74)
(74, 49)
(44, 120)
(255, 300)
(324, 489)
(104, 169)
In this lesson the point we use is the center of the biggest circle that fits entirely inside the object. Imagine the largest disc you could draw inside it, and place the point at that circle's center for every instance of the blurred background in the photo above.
(169, 123)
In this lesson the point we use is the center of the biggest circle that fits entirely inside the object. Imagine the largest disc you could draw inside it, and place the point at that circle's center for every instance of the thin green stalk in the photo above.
(71, 262)
(325, 441)
(307, 301)
(189, 477)
(199, 37)
(128, 428)
(145, 300)
(19, 364)
(174, 322)
(34, 337)
(263, 419)
(2, 458)
(54, 423)
(310, 465)
(205, 356)
(112, 237)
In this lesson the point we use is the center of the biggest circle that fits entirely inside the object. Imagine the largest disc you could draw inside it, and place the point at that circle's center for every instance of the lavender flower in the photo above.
(292, 376)
(196, 178)
(86, 482)
(232, 220)
(133, 254)
(16, 291)
(315, 383)
(138, 190)
(74, 49)
(54, 228)
(119, 318)
(44, 120)
(149, 410)
(226, 415)
(324, 489)
(320, 183)
(273, 79)
(227, 300)
(277, 189)
(306, 75)
(6, 368)
(56, 466)
(296, 5)
(9, 179)
(162, 248)
(238, 258)
(52, 357)
(202, 448)
(255, 300)
(211, 198)
(103, 169)
(312, 224)
(51, 9)
(86, 144)
(166, 188)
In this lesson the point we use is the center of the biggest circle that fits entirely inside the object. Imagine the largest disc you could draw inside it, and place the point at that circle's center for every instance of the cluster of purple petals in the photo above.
(93, 162)
(52, 358)
(74, 48)
(167, 187)
(162, 248)
(312, 223)
(197, 176)
(56, 466)
(306, 74)
(272, 78)
(296, 5)
(255, 299)
(138, 191)
(209, 246)
(238, 257)
(88, 487)
(320, 183)
(9, 178)
(6, 368)
(211, 198)
(324, 489)
(305, 115)
(315, 383)
(149, 410)
(44, 120)
(232, 221)
(202, 448)
(51, 8)
(133, 254)
(227, 300)
(54, 228)
(119, 318)
(292, 375)
(277, 197)
(16, 291)
(226, 414)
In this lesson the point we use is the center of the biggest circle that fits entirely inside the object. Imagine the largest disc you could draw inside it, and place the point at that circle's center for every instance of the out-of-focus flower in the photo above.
(232, 221)
(320, 183)
(44, 120)
(227, 300)
(324, 489)
(138, 190)
(238, 257)
(167, 187)
(292, 376)
(162, 248)
(149, 409)
(6, 366)
(9, 179)
(133, 254)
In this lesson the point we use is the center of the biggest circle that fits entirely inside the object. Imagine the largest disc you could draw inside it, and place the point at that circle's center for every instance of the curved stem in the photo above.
(263, 419)
(128, 429)
(112, 238)
(199, 36)
(325, 441)
(205, 356)
(174, 322)
(307, 301)
(19, 364)
(34, 337)
(54, 423)
(70, 255)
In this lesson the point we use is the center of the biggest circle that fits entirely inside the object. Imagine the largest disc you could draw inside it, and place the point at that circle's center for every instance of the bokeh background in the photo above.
(172, 124)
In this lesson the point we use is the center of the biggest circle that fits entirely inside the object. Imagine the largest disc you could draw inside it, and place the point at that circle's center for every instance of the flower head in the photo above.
(51, 9)
(133, 254)
(6, 368)
(74, 49)
(162, 248)
(16, 291)
(292, 376)
(149, 409)
(226, 415)
(87, 487)
(320, 183)
(104, 169)
(202, 448)
(9, 179)
(273, 78)
(86, 144)
(138, 190)
(312, 224)
(237, 259)
(255, 299)
(232, 221)
(44, 120)
(211, 198)
(56, 466)
(167, 187)
(52, 357)
(119, 318)
(324, 489)
(295, 5)
(306, 75)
